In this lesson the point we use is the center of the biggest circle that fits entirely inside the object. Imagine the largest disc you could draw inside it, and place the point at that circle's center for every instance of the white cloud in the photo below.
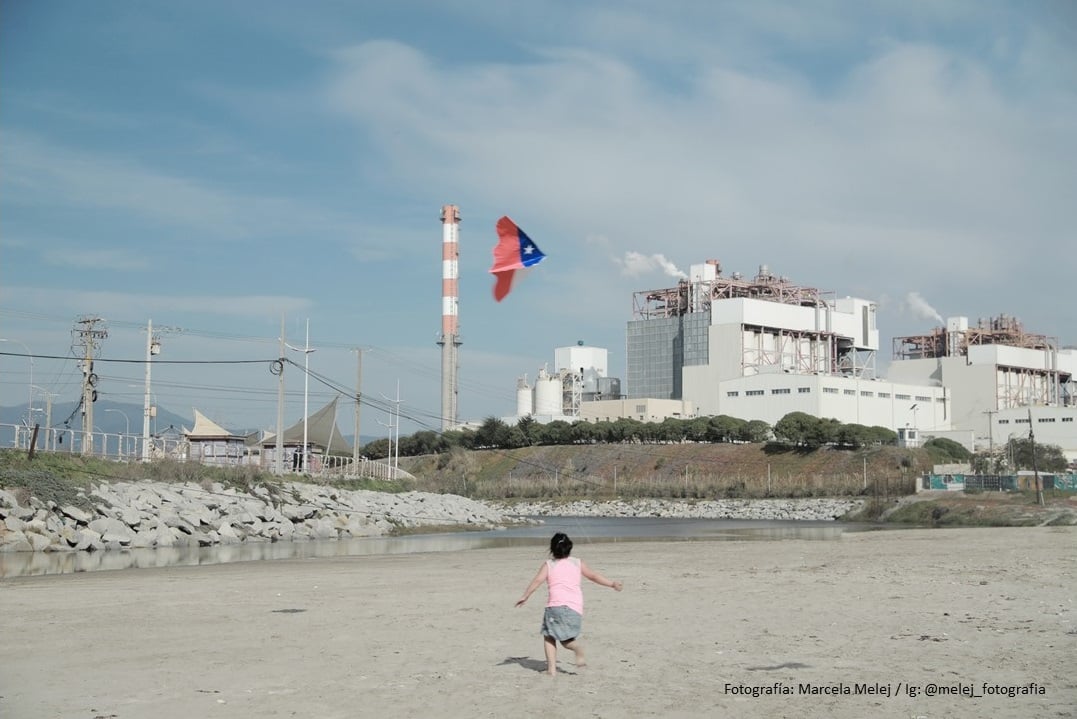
(915, 153)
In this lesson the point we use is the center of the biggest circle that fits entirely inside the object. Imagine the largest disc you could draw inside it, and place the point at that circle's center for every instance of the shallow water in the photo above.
(583, 530)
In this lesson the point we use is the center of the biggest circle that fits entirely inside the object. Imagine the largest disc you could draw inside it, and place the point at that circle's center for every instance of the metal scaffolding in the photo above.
(695, 297)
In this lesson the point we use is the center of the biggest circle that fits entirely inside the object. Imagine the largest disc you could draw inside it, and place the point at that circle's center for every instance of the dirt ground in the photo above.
(895, 623)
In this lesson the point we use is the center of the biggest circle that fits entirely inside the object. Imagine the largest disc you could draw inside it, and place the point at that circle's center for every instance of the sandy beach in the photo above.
(908, 623)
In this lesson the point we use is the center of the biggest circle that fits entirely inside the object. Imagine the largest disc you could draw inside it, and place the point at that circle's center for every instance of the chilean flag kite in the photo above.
(514, 251)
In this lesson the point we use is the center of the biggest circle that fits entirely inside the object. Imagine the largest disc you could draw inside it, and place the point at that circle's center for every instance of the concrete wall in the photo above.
(644, 410)
(770, 397)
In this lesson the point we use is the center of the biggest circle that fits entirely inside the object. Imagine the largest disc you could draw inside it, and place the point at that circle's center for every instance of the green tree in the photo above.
(755, 431)
(945, 450)
(801, 429)
(378, 449)
(1049, 457)
(526, 425)
(882, 435)
(630, 430)
(493, 434)
(724, 428)
(671, 429)
(556, 433)
(696, 429)
(852, 436)
(516, 438)
(583, 433)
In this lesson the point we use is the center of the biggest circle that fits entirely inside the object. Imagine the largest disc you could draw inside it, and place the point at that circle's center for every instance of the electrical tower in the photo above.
(87, 336)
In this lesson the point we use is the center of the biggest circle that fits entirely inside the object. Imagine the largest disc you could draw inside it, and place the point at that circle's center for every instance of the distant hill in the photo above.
(125, 416)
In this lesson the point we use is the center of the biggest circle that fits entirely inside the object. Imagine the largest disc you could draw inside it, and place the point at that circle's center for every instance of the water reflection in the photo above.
(582, 530)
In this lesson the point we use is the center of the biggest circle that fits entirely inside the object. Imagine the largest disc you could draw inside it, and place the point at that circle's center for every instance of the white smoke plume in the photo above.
(920, 306)
(635, 263)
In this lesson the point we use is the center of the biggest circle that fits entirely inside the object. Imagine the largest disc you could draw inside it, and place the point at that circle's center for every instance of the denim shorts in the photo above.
(561, 623)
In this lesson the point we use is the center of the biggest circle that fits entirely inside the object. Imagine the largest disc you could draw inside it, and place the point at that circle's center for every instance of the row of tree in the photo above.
(796, 429)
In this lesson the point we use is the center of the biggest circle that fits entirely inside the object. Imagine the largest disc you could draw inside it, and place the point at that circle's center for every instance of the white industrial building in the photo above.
(763, 347)
(997, 375)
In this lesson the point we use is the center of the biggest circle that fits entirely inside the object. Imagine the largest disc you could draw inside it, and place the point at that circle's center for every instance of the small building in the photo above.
(209, 443)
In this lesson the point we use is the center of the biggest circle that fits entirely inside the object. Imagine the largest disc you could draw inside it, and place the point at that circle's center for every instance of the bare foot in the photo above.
(577, 651)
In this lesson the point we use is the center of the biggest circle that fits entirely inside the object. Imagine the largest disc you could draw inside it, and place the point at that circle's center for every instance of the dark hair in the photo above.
(560, 545)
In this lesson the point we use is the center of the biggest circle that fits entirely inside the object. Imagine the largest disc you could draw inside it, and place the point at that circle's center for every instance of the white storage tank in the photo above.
(547, 394)
(524, 403)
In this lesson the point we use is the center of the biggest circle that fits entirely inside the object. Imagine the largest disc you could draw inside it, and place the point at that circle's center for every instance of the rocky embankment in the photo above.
(156, 514)
(800, 509)
(151, 514)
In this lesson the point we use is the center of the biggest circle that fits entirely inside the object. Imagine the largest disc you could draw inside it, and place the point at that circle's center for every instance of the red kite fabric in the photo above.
(514, 251)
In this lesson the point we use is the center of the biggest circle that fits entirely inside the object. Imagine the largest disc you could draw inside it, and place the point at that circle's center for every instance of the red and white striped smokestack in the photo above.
(450, 320)
(450, 271)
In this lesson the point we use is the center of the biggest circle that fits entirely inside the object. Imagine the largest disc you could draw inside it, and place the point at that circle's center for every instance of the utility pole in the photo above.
(146, 407)
(991, 431)
(278, 460)
(306, 349)
(395, 464)
(1035, 471)
(358, 399)
(88, 336)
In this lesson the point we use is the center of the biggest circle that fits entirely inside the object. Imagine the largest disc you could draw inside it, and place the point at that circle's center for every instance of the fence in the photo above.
(128, 448)
(997, 482)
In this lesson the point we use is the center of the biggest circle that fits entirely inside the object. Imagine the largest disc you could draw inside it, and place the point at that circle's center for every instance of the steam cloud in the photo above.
(920, 306)
(636, 263)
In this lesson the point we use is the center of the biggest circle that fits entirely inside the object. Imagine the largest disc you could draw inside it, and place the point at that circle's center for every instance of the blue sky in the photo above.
(214, 165)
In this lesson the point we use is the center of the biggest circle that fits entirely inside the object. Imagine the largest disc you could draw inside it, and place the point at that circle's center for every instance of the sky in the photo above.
(224, 167)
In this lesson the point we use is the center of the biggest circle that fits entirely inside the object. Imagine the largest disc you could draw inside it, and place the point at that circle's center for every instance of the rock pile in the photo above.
(800, 509)
(150, 514)
(156, 514)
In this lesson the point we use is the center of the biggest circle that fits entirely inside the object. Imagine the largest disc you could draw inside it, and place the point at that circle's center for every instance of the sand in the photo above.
(852, 627)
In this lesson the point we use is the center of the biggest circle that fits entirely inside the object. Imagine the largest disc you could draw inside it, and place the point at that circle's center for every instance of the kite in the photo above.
(514, 251)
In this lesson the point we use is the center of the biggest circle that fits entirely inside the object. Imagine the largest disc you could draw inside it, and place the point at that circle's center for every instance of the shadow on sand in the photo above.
(535, 665)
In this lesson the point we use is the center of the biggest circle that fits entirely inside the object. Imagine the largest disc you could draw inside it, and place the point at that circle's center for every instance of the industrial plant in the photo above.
(761, 347)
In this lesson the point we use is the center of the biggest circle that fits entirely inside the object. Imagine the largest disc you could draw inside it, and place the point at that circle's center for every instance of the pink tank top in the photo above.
(563, 582)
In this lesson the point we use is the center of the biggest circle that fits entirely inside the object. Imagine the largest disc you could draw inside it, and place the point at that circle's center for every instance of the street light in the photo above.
(392, 425)
(153, 347)
(126, 431)
(306, 350)
(30, 404)
(50, 439)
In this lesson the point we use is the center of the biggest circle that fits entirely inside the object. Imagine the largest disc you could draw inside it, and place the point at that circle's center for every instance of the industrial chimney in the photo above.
(450, 338)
